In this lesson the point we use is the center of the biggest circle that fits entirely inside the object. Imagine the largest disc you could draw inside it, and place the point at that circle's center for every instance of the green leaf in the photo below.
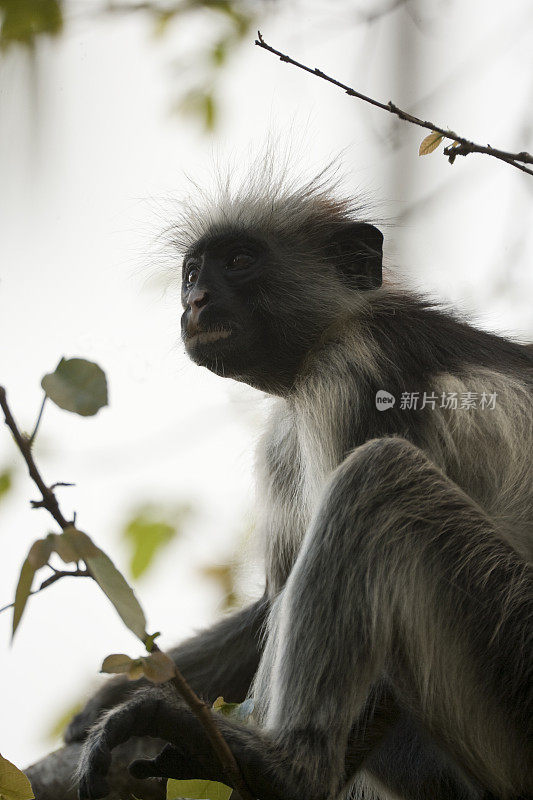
(22, 593)
(147, 535)
(77, 385)
(118, 590)
(6, 481)
(430, 143)
(226, 709)
(24, 20)
(14, 785)
(198, 790)
(239, 711)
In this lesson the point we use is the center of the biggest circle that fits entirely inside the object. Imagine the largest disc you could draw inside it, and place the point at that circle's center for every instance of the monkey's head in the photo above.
(264, 277)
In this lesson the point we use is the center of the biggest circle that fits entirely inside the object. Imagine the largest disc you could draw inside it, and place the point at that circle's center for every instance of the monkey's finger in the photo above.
(170, 763)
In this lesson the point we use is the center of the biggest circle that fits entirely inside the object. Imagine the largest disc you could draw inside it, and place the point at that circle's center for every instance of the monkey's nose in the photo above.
(198, 298)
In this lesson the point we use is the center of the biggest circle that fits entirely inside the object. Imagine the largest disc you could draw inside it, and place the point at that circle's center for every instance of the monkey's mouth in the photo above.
(197, 336)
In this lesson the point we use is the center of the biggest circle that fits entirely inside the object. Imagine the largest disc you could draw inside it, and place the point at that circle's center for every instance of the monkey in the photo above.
(391, 653)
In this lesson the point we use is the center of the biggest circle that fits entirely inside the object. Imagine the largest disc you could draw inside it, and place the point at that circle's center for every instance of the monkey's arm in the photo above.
(220, 661)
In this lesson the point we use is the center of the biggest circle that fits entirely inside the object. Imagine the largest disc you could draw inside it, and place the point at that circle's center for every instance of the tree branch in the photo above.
(463, 147)
(49, 500)
(58, 574)
(200, 709)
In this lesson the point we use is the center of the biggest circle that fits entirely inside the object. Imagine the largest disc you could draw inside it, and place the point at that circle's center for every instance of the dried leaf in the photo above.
(158, 667)
(117, 664)
(430, 143)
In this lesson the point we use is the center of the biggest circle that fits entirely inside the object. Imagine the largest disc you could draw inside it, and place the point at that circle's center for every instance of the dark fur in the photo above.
(397, 659)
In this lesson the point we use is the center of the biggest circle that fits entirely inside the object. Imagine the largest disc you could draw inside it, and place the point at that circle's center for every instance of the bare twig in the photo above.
(58, 574)
(220, 746)
(49, 500)
(463, 147)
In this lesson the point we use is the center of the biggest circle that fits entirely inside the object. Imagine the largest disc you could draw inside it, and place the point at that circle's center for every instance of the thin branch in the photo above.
(220, 746)
(49, 500)
(197, 706)
(58, 574)
(463, 147)
(36, 428)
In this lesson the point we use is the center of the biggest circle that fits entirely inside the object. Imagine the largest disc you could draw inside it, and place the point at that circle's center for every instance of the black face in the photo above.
(223, 326)
(253, 315)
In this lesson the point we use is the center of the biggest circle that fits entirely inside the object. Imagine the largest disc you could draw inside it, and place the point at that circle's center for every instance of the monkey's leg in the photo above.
(220, 661)
(400, 573)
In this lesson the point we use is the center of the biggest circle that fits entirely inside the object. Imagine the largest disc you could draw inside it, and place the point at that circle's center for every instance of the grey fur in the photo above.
(398, 653)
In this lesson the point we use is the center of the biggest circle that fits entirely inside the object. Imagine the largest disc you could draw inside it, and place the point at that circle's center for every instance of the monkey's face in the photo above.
(226, 325)
(255, 307)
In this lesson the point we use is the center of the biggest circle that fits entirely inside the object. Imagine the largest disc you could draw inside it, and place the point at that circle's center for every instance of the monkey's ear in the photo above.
(357, 250)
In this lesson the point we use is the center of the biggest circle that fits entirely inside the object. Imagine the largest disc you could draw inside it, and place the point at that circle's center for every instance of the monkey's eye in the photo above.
(191, 275)
(240, 261)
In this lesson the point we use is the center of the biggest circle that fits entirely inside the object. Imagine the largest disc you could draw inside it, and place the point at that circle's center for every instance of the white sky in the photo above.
(80, 205)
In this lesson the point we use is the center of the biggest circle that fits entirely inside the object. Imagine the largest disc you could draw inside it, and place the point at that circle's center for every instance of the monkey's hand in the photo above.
(114, 692)
(148, 713)
(188, 754)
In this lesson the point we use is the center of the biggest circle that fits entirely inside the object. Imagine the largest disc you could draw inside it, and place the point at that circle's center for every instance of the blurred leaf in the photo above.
(200, 103)
(73, 545)
(22, 593)
(118, 590)
(210, 112)
(430, 143)
(14, 785)
(77, 385)
(241, 21)
(198, 790)
(24, 20)
(219, 52)
(147, 535)
(40, 552)
(57, 727)
(162, 20)
(6, 481)
(224, 576)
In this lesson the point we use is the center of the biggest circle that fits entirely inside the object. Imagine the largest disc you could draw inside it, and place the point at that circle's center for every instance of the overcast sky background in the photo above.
(87, 180)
